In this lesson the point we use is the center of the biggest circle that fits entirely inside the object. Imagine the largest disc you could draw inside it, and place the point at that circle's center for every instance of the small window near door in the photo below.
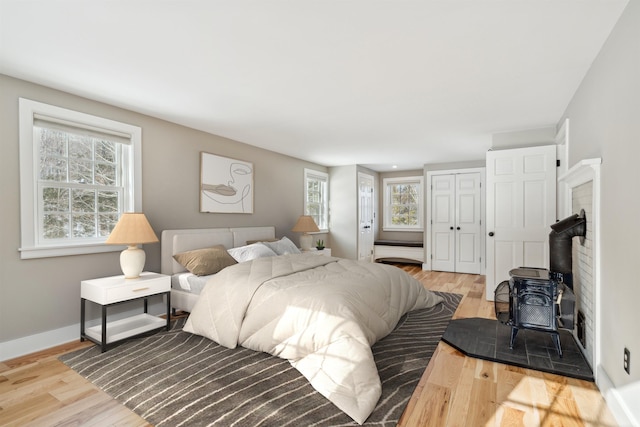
(403, 203)
(316, 197)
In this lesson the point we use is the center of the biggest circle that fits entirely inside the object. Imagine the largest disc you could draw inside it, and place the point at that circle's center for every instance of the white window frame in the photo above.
(31, 245)
(310, 174)
(387, 184)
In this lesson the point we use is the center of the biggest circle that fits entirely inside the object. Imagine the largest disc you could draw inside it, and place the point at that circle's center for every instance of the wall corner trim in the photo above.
(620, 401)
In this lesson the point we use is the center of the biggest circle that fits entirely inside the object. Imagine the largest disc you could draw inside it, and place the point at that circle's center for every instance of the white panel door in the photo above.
(467, 229)
(365, 213)
(456, 222)
(443, 219)
(521, 206)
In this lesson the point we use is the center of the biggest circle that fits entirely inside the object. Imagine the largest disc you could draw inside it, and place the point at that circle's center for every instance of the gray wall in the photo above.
(524, 138)
(453, 166)
(604, 121)
(343, 194)
(41, 295)
(343, 209)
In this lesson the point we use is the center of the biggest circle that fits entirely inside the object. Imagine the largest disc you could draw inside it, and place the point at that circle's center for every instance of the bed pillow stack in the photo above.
(263, 249)
(203, 262)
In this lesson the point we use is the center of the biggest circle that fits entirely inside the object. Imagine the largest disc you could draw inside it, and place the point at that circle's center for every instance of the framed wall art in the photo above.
(226, 185)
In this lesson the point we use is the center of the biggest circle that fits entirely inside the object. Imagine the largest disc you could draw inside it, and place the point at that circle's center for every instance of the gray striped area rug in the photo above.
(174, 378)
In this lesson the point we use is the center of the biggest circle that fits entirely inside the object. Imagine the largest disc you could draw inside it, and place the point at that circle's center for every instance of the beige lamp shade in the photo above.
(305, 225)
(132, 230)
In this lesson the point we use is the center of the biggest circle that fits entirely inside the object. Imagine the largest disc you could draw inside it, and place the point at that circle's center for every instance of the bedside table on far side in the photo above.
(325, 251)
(109, 291)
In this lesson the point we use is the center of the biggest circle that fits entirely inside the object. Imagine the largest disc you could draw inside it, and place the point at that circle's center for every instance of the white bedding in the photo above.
(321, 313)
(189, 282)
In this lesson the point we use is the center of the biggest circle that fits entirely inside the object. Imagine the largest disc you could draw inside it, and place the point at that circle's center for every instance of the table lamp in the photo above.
(132, 230)
(305, 225)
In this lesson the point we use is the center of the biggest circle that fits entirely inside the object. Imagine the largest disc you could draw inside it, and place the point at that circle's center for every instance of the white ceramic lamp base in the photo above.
(132, 262)
(305, 242)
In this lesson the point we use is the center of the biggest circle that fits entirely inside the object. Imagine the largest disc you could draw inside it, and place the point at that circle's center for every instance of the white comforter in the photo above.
(321, 313)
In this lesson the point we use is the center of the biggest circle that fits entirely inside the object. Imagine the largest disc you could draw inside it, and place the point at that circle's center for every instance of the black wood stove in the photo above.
(541, 299)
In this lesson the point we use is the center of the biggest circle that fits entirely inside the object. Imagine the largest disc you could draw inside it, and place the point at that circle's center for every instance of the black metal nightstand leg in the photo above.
(168, 310)
(82, 314)
(104, 328)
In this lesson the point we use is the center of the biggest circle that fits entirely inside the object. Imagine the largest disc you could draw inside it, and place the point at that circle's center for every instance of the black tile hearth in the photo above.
(489, 340)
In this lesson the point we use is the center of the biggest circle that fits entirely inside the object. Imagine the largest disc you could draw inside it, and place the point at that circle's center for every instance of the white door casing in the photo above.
(521, 207)
(455, 220)
(365, 217)
(562, 155)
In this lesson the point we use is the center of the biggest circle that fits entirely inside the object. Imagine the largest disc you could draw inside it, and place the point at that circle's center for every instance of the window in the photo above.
(403, 203)
(316, 197)
(78, 173)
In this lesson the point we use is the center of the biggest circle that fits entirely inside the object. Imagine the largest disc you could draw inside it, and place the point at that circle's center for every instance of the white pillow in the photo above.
(283, 246)
(249, 252)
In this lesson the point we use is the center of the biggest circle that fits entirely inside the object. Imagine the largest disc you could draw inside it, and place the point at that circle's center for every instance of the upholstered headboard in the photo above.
(176, 241)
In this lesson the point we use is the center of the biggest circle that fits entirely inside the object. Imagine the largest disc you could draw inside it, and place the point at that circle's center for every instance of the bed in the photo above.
(320, 313)
(178, 241)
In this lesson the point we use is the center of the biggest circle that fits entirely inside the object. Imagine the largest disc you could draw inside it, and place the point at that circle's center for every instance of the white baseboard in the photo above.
(624, 402)
(42, 341)
(37, 342)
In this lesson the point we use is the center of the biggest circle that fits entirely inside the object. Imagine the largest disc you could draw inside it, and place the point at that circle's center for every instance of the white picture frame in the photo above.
(226, 185)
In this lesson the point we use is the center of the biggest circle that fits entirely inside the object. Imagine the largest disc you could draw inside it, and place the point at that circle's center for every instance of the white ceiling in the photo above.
(336, 82)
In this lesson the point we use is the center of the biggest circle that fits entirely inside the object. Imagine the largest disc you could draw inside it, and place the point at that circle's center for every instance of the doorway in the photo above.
(521, 207)
(365, 217)
(455, 237)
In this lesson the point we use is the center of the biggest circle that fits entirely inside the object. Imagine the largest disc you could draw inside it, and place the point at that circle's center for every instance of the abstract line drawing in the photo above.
(226, 185)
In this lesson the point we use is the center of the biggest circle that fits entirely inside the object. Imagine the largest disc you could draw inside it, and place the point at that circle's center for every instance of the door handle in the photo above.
(457, 228)
(450, 228)
(491, 234)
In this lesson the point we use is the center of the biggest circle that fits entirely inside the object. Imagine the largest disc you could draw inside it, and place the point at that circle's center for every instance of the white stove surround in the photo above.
(581, 189)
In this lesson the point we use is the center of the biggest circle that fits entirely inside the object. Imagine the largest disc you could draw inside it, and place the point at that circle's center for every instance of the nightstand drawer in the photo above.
(116, 289)
(127, 292)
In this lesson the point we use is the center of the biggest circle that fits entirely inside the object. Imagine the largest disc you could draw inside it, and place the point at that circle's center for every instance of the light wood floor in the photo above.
(38, 390)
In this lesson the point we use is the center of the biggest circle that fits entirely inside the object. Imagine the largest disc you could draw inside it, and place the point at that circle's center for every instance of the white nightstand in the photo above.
(109, 291)
(325, 251)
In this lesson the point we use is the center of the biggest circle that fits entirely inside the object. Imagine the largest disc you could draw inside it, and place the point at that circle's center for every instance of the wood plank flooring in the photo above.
(455, 390)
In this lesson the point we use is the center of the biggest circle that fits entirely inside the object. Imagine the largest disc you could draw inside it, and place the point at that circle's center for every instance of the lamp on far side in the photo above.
(305, 225)
(132, 230)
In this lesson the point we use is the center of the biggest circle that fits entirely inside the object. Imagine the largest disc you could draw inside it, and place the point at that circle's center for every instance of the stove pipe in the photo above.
(560, 242)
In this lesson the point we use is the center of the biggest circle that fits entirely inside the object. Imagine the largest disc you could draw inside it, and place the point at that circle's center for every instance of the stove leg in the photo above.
(556, 342)
(514, 332)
